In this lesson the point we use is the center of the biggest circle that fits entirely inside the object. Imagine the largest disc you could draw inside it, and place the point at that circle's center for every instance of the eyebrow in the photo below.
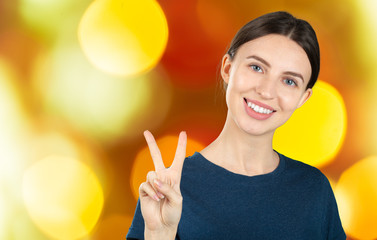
(259, 59)
(294, 74)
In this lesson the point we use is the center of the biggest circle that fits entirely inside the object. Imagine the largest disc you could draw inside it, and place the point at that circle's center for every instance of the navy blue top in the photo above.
(295, 201)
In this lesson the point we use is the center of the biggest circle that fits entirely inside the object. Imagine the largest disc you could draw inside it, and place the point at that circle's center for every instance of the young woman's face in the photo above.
(267, 81)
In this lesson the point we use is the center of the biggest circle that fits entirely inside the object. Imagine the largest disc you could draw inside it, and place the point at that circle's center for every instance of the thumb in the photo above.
(168, 191)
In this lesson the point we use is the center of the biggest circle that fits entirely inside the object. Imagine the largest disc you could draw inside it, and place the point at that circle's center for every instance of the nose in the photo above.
(266, 88)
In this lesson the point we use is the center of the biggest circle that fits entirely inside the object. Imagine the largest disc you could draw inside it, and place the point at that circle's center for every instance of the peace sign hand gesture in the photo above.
(160, 195)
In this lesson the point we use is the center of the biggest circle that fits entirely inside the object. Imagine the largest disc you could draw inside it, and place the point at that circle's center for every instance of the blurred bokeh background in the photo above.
(81, 80)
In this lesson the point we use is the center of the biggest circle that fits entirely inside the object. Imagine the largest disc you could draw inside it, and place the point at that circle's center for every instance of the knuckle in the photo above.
(142, 187)
(151, 175)
(179, 199)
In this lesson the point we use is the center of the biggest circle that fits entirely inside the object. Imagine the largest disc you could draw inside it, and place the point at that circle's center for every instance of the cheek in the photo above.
(240, 84)
(235, 85)
(228, 93)
(234, 92)
(289, 102)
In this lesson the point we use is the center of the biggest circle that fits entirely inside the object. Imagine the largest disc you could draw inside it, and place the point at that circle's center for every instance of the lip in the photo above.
(256, 115)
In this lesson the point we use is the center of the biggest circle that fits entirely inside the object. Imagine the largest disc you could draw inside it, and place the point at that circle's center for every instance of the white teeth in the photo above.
(259, 109)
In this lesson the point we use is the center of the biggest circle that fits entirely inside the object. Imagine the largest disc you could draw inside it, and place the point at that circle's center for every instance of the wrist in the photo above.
(160, 234)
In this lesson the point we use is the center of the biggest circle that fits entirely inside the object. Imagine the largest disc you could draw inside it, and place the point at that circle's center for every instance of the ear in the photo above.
(225, 68)
(307, 94)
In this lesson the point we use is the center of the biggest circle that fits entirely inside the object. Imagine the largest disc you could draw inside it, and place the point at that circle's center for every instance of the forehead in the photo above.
(279, 51)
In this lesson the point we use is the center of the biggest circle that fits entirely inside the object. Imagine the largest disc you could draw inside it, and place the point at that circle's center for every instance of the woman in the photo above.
(238, 187)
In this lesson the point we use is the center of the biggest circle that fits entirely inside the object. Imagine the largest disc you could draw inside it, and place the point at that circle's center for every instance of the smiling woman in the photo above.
(270, 72)
(239, 187)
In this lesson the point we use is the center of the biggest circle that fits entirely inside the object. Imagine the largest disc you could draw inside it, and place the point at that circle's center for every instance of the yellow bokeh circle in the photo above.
(143, 162)
(100, 105)
(3, 216)
(124, 37)
(63, 197)
(356, 194)
(315, 132)
(15, 127)
(59, 13)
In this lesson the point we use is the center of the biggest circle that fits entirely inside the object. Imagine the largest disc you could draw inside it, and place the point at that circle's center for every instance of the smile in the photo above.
(259, 108)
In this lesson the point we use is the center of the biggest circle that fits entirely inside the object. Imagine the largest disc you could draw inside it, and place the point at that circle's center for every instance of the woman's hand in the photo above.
(160, 195)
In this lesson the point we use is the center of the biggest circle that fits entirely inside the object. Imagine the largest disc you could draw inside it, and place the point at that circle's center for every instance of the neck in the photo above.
(241, 152)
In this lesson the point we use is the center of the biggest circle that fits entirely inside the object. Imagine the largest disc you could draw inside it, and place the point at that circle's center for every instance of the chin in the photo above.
(257, 130)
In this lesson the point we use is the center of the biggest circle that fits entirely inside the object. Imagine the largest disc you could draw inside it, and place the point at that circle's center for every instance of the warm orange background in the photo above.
(56, 102)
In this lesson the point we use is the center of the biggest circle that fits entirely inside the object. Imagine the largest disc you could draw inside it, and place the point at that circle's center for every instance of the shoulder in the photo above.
(299, 169)
(296, 165)
(199, 172)
(195, 161)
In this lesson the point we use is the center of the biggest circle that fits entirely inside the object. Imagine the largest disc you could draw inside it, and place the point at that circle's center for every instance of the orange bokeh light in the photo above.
(113, 227)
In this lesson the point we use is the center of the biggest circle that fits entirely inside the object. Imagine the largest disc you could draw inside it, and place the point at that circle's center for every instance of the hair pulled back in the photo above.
(285, 24)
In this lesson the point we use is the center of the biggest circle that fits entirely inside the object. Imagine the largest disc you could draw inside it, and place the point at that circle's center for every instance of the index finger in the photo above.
(154, 150)
(180, 153)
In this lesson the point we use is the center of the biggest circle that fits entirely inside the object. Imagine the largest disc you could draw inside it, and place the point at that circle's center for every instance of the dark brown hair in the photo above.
(285, 24)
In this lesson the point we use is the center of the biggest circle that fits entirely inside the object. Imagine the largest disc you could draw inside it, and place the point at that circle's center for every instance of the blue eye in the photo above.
(256, 68)
(290, 82)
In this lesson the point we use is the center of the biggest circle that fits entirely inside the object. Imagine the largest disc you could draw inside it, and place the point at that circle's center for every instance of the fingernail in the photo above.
(158, 183)
(160, 195)
(155, 197)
